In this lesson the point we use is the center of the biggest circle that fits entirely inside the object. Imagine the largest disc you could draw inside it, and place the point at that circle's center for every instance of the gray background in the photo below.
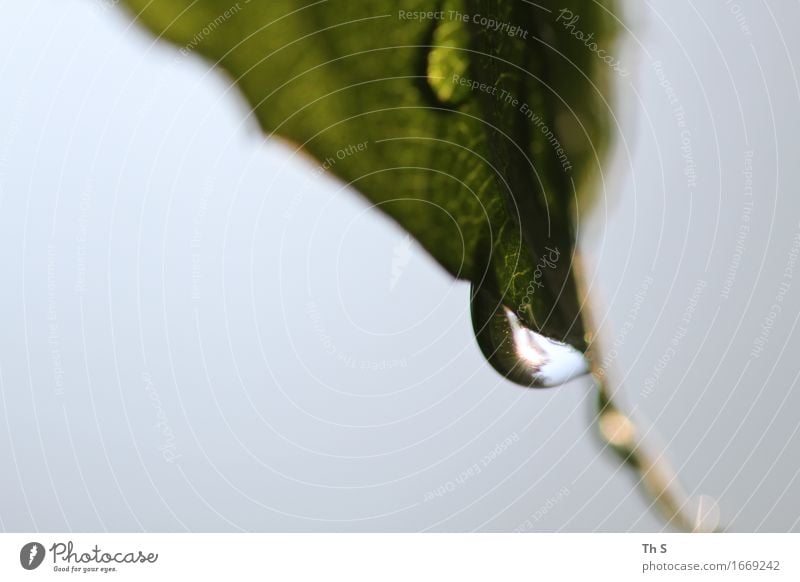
(197, 332)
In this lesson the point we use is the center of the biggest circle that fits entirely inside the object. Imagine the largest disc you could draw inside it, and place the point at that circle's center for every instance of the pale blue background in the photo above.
(151, 277)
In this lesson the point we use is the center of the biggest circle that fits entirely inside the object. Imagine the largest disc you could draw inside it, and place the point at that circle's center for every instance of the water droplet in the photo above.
(447, 59)
(528, 357)
(548, 361)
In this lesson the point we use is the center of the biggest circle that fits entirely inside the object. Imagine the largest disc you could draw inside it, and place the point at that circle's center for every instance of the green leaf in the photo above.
(475, 124)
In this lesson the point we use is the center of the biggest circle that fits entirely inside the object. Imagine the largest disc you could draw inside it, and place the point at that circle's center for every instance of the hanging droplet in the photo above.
(548, 362)
(532, 358)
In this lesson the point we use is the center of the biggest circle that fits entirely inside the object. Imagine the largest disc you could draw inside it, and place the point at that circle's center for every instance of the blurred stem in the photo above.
(626, 438)
(656, 476)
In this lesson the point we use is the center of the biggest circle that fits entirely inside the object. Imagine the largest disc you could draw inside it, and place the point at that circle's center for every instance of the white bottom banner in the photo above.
(434, 557)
